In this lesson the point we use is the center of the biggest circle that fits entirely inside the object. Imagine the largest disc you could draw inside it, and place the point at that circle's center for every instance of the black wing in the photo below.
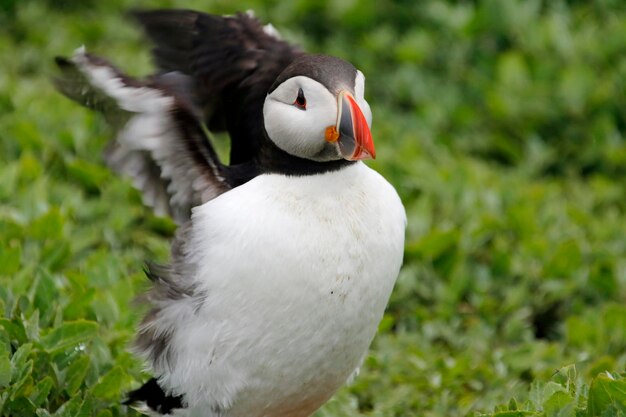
(160, 143)
(232, 61)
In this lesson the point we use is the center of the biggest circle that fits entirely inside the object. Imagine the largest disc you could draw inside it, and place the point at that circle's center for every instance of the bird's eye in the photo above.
(300, 100)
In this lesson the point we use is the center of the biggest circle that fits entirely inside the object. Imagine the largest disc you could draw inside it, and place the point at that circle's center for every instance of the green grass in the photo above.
(500, 123)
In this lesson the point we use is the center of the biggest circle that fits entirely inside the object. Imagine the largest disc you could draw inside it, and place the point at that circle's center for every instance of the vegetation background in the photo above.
(500, 123)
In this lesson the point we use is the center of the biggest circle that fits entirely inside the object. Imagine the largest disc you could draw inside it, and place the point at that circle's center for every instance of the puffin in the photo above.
(285, 257)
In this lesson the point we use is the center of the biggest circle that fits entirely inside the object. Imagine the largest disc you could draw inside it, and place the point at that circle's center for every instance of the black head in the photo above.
(333, 73)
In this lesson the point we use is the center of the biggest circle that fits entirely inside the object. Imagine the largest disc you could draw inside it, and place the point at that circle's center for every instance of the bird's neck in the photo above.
(272, 159)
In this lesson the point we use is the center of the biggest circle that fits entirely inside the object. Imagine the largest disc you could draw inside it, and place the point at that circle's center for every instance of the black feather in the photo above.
(155, 398)
(233, 62)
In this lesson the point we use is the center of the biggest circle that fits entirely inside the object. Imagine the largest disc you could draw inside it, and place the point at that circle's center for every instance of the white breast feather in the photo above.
(297, 272)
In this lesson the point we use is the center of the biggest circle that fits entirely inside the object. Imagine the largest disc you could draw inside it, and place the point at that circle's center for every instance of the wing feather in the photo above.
(233, 61)
(159, 142)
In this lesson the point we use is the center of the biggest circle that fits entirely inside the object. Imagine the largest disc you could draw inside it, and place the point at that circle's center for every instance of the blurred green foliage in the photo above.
(501, 124)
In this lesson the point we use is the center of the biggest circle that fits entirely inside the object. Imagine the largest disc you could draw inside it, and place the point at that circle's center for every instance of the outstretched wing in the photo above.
(160, 143)
(232, 61)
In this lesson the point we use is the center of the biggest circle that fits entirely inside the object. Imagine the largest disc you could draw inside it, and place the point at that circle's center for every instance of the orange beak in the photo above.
(352, 133)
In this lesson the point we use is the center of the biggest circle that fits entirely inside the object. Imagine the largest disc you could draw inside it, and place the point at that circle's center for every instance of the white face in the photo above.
(300, 130)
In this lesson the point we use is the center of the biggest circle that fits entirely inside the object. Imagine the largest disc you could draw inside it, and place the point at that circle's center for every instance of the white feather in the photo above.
(296, 131)
(270, 30)
(297, 272)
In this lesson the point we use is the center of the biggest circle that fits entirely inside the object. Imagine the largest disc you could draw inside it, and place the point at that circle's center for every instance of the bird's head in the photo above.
(316, 110)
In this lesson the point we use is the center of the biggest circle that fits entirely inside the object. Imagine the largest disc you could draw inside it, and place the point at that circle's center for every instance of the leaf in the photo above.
(43, 413)
(55, 254)
(45, 292)
(566, 257)
(9, 230)
(517, 413)
(4, 396)
(86, 408)
(41, 390)
(75, 374)
(566, 375)
(69, 408)
(435, 243)
(21, 406)
(540, 393)
(108, 387)
(22, 381)
(31, 326)
(559, 403)
(70, 334)
(604, 393)
(19, 359)
(43, 363)
(89, 175)
(15, 330)
(49, 226)
(5, 371)
(10, 257)
(30, 167)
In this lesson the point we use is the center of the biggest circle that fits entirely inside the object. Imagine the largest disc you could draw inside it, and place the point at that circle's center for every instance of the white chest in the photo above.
(297, 273)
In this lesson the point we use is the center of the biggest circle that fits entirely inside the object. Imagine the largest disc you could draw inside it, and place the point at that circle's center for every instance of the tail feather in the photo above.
(150, 397)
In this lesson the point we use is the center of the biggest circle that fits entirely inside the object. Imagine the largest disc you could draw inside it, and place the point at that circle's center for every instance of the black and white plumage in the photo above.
(285, 258)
